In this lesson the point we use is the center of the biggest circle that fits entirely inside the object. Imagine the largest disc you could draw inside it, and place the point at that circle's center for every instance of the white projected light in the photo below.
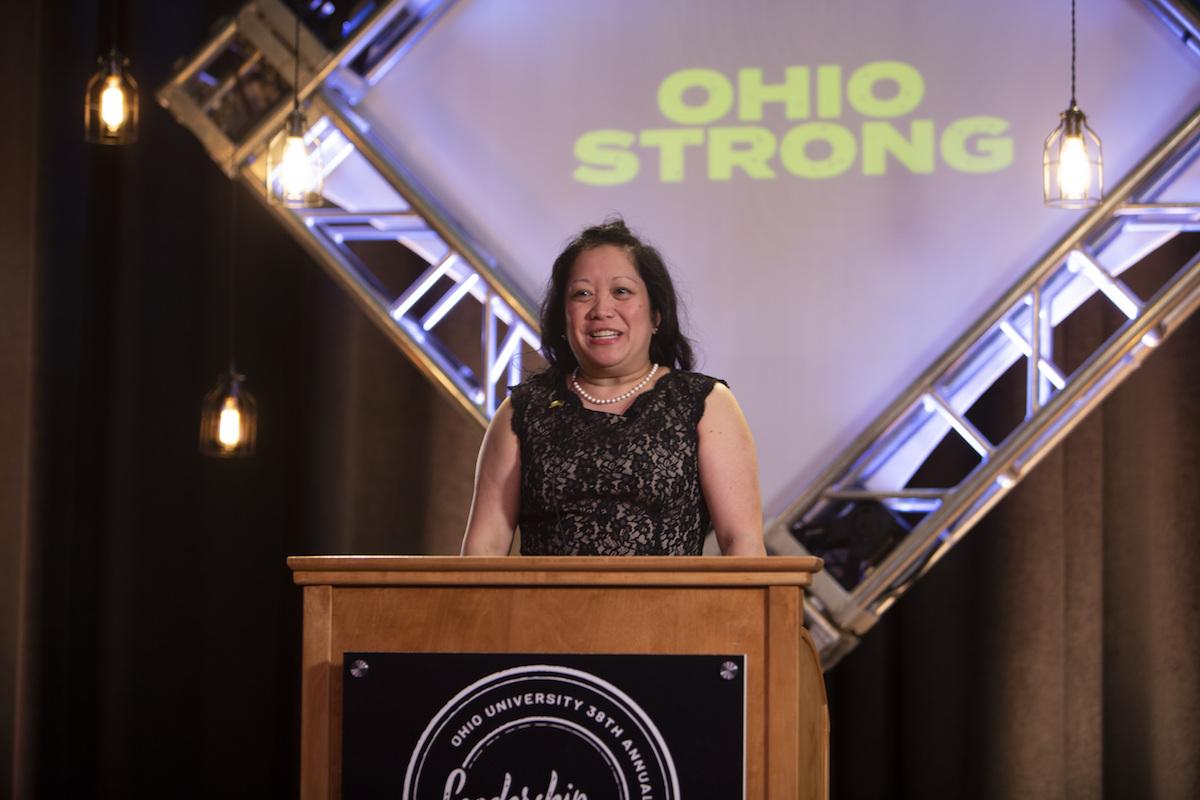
(838, 204)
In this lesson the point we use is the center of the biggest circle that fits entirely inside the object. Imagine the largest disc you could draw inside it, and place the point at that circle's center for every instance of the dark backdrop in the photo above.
(1053, 653)
(147, 609)
(161, 630)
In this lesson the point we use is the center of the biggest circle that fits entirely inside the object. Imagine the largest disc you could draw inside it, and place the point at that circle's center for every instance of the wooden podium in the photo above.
(642, 605)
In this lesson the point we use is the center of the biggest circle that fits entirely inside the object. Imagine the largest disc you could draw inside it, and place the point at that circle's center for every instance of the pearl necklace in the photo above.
(622, 396)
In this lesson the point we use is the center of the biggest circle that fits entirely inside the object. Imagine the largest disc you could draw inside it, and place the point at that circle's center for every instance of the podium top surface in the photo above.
(553, 570)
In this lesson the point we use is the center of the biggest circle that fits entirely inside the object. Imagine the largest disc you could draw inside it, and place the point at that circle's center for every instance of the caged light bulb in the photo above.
(295, 170)
(228, 419)
(110, 107)
(1072, 163)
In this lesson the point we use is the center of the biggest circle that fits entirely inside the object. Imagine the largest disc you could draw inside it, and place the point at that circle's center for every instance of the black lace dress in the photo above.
(600, 484)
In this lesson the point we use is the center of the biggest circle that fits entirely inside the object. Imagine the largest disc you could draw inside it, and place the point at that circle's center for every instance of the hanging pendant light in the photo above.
(229, 413)
(110, 105)
(1072, 158)
(295, 169)
(229, 418)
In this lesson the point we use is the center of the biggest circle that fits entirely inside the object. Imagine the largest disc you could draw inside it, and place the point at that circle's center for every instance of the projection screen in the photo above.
(841, 189)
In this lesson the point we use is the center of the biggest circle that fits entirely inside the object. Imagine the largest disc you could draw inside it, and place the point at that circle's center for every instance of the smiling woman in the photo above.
(617, 448)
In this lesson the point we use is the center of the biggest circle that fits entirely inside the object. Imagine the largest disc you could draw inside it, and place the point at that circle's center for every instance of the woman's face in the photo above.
(609, 319)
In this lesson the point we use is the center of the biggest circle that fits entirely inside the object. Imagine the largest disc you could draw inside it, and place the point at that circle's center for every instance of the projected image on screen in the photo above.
(722, 118)
(841, 189)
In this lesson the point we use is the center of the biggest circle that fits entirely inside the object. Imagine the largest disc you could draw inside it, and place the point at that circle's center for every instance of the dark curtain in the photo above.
(1053, 653)
(165, 632)
(18, 276)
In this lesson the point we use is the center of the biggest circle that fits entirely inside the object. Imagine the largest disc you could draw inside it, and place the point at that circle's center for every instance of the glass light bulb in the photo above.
(1074, 171)
(229, 428)
(112, 104)
(293, 168)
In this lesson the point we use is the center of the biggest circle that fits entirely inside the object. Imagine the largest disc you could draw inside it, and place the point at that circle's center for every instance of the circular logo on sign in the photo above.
(557, 732)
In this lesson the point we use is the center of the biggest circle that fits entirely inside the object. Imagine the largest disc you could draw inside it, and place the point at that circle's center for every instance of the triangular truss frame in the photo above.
(874, 472)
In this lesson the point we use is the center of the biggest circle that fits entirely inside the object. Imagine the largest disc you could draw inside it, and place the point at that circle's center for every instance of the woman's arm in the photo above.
(497, 489)
(729, 475)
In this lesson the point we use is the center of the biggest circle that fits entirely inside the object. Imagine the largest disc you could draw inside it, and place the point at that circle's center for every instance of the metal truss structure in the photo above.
(877, 532)
(234, 95)
(451, 268)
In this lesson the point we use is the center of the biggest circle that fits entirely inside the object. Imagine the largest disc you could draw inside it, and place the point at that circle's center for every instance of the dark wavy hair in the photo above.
(668, 347)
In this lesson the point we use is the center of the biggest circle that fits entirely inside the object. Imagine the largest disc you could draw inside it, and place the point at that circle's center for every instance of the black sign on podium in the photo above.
(483, 726)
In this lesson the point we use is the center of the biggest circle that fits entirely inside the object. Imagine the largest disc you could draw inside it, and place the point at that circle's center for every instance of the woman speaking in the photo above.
(617, 448)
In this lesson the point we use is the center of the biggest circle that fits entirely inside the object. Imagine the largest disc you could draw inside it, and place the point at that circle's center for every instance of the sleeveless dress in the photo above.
(594, 483)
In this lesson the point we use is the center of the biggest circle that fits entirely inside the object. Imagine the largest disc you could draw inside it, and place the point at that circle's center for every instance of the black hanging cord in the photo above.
(1072, 53)
(232, 269)
(296, 62)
